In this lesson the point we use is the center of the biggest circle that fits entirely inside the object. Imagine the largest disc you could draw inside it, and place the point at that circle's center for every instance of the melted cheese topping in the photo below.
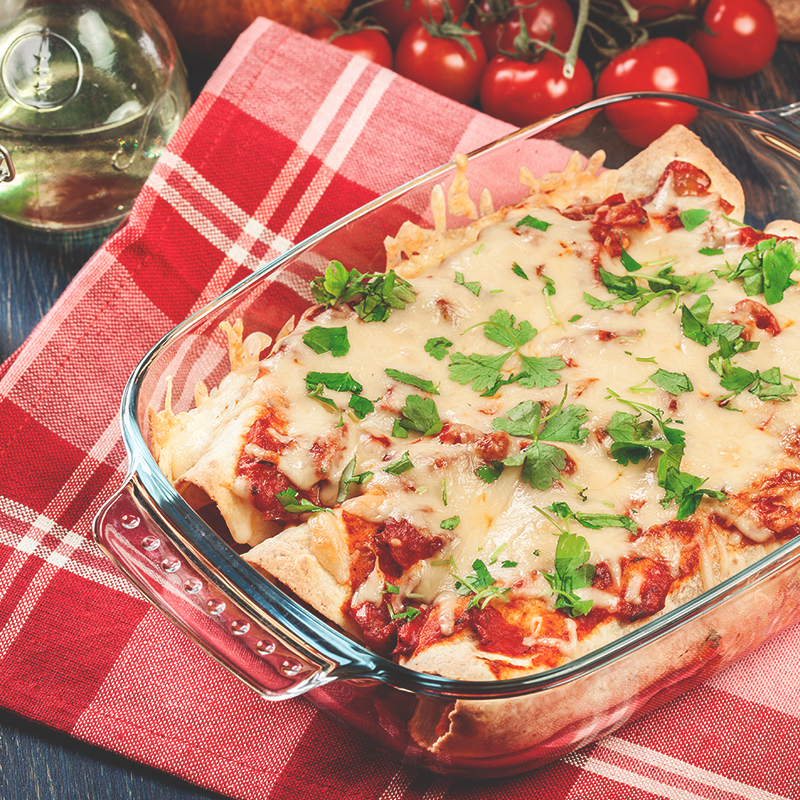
(607, 352)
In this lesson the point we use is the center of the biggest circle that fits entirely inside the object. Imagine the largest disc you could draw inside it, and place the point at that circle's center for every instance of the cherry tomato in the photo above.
(662, 65)
(395, 16)
(441, 64)
(658, 9)
(742, 40)
(522, 93)
(499, 23)
(367, 42)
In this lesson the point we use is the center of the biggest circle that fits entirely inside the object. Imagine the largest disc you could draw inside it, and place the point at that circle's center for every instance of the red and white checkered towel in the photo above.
(289, 135)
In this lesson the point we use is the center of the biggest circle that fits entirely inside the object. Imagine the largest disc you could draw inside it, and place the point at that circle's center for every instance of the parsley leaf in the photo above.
(437, 347)
(373, 295)
(629, 262)
(502, 328)
(479, 370)
(323, 340)
(517, 270)
(361, 405)
(685, 490)
(711, 251)
(489, 473)
(533, 222)
(680, 487)
(412, 380)
(473, 286)
(335, 381)
(420, 414)
(316, 394)
(295, 504)
(480, 584)
(672, 382)
(522, 420)
(450, 523)
(349, 478)
(766, 269)
(693, 217)
(408, 614)
(541, 464)
(565, 425)
(662, 284)
(631, 437)
(767, 386)
(595, 303)
(571, 572)
(403, 464)
(539, 373)
(593, 521)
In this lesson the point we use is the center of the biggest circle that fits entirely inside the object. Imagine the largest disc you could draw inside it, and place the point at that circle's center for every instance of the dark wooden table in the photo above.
(36, 762)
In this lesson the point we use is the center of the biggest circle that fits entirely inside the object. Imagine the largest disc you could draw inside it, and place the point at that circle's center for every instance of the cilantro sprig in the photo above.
(372, 296)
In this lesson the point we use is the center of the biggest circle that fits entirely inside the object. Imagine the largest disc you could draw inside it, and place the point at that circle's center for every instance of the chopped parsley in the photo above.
(767, 386)
(767, 269)
(672, 382)
(372, 296)
(450, 523)
(629, 262)
(291, 501)
(533, 222)
(418, 414)
(541, 462)
(489, 473)
(403, 464)
(484, 371)
(335, 381)
(517, 270)
(642, 289)
(437, 347)
(412, 380)
(633, 440)
(593, 521)
(350, 478)
(407, 614)
(572, 571)
(361, 405)
(480, 583)
(693, 217)
(324, 340)
(473, 286)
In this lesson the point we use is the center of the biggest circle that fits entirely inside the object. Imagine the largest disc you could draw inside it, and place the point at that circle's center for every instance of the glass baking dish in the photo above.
(280, 648)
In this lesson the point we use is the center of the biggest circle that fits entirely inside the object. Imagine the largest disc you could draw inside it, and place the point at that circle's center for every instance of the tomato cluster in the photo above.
(509, 56)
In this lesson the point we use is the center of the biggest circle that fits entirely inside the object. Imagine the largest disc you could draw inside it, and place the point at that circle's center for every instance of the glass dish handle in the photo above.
(258, 650)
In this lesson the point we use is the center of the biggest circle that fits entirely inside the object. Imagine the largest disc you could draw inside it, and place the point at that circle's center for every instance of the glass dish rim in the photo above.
(350, 659)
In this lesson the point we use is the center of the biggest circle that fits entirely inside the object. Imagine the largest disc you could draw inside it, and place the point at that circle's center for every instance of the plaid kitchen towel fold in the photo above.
(288, 136)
